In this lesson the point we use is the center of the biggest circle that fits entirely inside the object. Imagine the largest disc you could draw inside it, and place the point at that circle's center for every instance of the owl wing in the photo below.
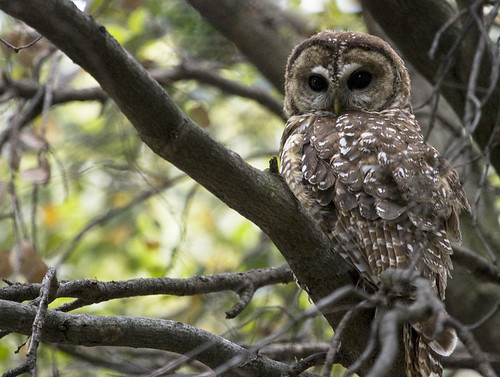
(395, 198)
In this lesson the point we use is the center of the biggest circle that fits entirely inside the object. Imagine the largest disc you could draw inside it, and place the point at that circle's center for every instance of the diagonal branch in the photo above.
(481, 268)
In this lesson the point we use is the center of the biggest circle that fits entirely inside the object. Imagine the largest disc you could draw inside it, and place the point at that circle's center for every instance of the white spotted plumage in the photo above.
(357, 160)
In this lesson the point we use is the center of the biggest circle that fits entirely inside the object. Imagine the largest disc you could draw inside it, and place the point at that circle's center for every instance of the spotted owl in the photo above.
(354, 156)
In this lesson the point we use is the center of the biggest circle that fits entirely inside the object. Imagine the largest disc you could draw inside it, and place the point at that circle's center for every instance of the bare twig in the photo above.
(28, 88)
(331, 355)
(368, 351)
(293, 351)
(480, 267)
(442, 30)
(486, 317)
(48, 286)
(392, 318)
(16, 49)
(465, 361)
(324, 305)
(306, 363)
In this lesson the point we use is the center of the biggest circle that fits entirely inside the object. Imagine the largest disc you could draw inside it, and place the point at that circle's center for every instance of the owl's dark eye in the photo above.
(318, 83)
(359, 80)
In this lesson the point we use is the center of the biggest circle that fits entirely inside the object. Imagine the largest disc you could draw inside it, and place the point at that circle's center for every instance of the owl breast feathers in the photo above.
(354, 155)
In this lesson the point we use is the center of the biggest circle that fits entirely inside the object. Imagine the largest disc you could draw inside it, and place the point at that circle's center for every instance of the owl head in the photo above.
(341, 71)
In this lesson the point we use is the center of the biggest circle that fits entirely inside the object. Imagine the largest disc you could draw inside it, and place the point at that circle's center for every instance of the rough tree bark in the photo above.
(137, 332)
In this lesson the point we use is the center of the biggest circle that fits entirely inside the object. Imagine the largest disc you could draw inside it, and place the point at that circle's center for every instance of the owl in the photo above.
(354, 156)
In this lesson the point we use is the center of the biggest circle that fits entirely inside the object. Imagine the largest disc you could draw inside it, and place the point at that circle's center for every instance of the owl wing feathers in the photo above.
(384, 199)
(387, 189)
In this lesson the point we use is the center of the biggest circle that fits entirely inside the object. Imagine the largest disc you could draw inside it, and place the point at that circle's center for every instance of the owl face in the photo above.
(337, 71)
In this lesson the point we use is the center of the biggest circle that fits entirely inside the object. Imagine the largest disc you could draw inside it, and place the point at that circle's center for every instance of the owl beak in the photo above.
(337, 106)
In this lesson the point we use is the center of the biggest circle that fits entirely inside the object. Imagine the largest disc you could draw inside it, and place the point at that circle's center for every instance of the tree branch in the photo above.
(90, 291)
(184, 71)
(263, 18)
(483, 364)
(287, 352)
(48, 285)
(191, 70)
(91, 330)
(28, 88)
(481, 268)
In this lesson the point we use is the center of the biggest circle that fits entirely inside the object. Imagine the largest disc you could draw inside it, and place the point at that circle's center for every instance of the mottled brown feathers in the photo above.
(355, 157)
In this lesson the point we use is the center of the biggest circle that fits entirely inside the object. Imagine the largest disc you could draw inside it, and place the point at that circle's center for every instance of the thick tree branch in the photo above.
(137, 332)
(263, 18)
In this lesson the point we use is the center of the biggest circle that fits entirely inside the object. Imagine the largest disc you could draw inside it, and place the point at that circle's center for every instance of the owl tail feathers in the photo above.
(420, 358)
(442, 343)
(445, 342)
